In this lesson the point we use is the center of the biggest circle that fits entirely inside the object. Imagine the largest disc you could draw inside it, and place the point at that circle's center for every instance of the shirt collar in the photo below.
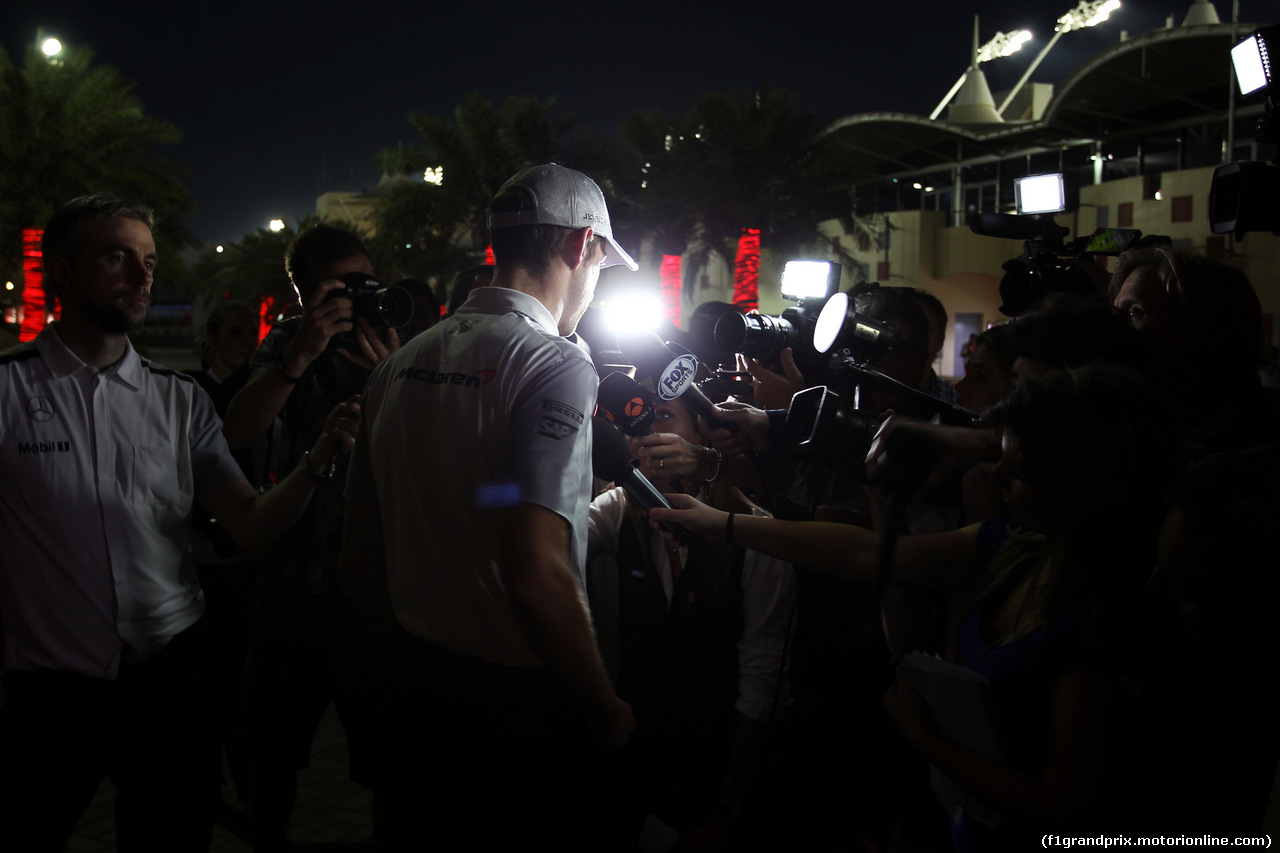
(498, 300)
(63, 362)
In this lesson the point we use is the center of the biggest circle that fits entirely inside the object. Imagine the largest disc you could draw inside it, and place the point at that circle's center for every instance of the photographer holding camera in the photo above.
(304, 654)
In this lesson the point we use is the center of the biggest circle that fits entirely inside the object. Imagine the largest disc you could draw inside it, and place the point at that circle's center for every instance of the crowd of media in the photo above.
(850, 605)
(1087, 519)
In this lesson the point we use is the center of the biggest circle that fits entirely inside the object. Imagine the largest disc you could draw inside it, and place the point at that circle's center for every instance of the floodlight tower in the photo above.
(1086, 14)
(1002, 44)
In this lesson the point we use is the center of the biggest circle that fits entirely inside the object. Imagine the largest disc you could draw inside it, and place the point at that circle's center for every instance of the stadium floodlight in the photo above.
(1086, 14)
(1002, 44)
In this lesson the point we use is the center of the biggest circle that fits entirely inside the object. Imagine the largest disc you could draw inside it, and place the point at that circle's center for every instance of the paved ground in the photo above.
(332, 813)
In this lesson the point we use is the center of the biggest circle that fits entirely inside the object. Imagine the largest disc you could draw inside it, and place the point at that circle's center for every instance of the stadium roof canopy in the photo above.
(1168, 79)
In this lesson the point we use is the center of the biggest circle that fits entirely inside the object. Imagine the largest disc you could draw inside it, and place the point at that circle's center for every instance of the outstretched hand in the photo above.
(751, 433)
(774, 390)
(339, 434)
(693, 515)
(665, 455)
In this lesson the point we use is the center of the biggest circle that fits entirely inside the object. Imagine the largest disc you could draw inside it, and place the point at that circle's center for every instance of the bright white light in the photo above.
(1159, 195)
(433, 175)
(632, 312)
(1003, 44)
(219, 250)
(8, 285)
(1087, 15)
(277, 225)
(51, 47)
(928, 189)
(1251, 64)
(830, 321)
(1040, 194)
(805, 279)
(917, 186)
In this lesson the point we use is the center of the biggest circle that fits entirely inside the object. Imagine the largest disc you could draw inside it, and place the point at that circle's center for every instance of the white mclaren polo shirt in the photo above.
(488, 409)
(98, 469)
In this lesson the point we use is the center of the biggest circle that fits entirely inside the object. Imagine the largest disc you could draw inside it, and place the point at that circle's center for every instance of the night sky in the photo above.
(281, 101)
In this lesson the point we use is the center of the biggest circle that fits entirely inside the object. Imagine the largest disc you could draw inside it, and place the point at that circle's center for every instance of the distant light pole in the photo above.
(1084, 15)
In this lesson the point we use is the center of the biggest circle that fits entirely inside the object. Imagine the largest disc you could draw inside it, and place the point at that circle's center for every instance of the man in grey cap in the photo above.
(465, 537)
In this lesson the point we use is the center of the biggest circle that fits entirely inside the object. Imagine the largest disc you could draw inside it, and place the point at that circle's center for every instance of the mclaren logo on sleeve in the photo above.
(558, 420)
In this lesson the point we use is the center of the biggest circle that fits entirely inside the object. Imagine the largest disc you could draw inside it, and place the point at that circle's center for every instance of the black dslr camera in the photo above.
(382, 307)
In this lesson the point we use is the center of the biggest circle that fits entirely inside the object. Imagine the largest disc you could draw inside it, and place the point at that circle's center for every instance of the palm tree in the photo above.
(72, 128)
(477, 151)
(250, 269)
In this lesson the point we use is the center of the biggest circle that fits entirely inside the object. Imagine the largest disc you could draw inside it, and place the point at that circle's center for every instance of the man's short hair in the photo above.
(1214, 296)
(924, 297)
(898, 305)
(60, 232)
(316, 248)
(530, 246)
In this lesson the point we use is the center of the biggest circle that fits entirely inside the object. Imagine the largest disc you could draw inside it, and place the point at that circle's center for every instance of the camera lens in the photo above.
(395, 306)
(756, 335)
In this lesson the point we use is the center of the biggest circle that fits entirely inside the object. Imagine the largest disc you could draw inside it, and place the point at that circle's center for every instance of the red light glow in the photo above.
(669, 288)
(746, 271)
(33, 295)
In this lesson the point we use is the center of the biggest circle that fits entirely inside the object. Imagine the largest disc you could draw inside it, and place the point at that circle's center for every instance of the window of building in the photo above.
(1180, 209)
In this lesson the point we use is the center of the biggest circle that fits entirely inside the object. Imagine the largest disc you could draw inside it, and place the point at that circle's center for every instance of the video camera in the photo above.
(1042, 268)
(763, 337)
(1242, 197)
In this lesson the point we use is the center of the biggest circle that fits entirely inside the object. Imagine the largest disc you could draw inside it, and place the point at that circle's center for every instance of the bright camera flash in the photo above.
(632, 312)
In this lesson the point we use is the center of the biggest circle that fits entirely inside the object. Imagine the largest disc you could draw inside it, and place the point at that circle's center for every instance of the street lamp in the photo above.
(1086, 14)
(276, 225)
(51, 47)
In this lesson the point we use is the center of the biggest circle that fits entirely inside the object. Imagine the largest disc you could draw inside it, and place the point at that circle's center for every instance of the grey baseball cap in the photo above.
(562, 197)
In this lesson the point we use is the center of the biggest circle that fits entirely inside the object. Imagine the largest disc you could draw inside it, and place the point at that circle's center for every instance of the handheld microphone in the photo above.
(611, 460)
(626, 404)
(667, 370)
